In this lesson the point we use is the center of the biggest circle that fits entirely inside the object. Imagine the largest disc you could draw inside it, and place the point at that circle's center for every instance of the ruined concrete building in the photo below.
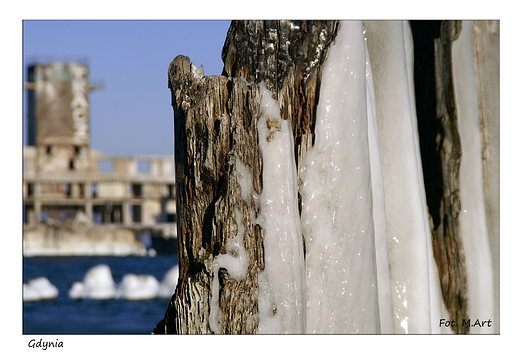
(78, 200)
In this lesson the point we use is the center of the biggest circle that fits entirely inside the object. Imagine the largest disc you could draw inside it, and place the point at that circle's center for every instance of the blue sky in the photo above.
(132, 115)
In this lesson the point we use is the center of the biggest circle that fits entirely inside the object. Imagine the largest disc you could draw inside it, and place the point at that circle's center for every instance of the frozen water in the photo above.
(235, 261)
(97, 284)
(138, 287)
(369, 263)
(39, 289)
(169, 282)
(336, 198)
(413, 275)
(281, 285)
(473, 215)
(378, 208)
(244, 180)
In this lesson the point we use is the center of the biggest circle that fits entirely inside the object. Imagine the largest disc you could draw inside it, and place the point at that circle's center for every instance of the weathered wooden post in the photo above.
(224, 125)
(216, 131)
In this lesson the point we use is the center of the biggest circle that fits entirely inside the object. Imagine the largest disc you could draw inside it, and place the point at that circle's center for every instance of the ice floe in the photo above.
(99, 284)
(39, 289)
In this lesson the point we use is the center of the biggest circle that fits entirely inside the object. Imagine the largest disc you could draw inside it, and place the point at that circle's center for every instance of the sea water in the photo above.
(65, 315)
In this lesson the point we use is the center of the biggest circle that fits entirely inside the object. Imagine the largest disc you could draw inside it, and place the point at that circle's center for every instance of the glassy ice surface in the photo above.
(336, 198)
(281, 285)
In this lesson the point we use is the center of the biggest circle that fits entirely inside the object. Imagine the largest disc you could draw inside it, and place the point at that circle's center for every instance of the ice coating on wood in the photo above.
(235, 261)
(473, 215)
(364, 218)
(378, 208)
(244, 180)
(336, 199)
(408, 236)
(281, 285)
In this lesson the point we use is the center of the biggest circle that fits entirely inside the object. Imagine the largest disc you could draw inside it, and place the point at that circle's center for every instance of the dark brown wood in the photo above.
(288, 56)
(441, 155)
(215, 124)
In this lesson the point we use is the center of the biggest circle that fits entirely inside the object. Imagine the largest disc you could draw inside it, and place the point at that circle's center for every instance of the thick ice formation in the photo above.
(413, 274)
(281, 285)
(169, 282)
(378, 208)
(336, 198)
(138, 287)
(369, 263)
(97, 284)
(39, 289)
(473, 215)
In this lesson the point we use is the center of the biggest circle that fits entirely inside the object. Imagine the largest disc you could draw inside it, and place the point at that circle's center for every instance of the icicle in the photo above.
(378, 203)
(281, 299)
(409, 239)
(336, 200)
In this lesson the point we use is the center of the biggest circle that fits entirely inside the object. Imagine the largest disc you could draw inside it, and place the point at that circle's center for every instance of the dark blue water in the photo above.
(64, 315)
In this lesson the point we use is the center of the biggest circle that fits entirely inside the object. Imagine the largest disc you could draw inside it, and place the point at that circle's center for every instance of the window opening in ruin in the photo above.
(44, 216)
(98, 214)
(116, 214)
(30, 189)
(71, 164)
(136, 190)
(49, 150)
(136, 213)
(28, 214)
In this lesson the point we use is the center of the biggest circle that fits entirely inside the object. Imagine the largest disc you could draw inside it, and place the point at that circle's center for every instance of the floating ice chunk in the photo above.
(39, 289)
(77, 290)
(97, 284)
(169, 282)
(138, 287)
